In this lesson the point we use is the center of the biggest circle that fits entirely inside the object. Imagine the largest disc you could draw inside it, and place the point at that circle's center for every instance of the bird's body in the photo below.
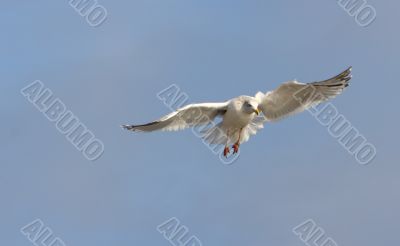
(240, 115)
(234, 116)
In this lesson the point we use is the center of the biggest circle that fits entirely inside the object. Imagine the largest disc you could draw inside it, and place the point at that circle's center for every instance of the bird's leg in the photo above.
(226, 150)
(237, 144)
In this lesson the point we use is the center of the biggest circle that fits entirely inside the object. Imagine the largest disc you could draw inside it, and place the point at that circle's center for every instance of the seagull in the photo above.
(243, 116)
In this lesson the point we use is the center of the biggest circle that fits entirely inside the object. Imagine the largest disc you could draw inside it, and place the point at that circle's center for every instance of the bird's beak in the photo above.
(257, 111)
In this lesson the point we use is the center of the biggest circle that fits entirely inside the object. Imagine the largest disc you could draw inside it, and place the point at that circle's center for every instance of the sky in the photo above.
(109, 75)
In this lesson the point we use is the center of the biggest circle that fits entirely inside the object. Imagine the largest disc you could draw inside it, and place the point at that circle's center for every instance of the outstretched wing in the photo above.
(188, 116)
(294, 97)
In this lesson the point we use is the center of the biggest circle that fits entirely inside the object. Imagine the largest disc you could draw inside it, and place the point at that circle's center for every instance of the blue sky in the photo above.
(214, 50)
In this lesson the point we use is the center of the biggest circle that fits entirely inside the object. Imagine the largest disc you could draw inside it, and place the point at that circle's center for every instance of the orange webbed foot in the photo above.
(236, 148)
(226, 151)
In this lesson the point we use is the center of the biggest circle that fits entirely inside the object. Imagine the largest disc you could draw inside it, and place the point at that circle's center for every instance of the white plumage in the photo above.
(239, 115)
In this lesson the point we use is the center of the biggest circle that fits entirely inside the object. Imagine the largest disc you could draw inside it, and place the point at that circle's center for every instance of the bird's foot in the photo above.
(226, 151)
(236, 148)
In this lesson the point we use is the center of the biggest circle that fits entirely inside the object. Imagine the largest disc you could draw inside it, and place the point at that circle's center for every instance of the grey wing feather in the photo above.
(188, 116)
(294, 97)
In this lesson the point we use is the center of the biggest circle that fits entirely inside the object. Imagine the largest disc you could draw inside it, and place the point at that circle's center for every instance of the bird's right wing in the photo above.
(294, 97)
(188, 116)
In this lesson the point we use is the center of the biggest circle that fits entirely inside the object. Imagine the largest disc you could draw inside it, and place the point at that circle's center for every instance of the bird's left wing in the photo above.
(188, 116)
(294, 97)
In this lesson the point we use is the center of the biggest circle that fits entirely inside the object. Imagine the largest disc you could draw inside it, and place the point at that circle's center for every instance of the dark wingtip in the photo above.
(128, 127)
(345, 75)
(348, 76)
(340, 80)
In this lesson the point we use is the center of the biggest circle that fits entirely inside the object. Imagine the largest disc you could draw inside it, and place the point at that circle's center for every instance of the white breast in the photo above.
(235, 118)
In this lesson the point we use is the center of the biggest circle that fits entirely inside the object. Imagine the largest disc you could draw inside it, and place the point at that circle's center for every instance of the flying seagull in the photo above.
(241, 115)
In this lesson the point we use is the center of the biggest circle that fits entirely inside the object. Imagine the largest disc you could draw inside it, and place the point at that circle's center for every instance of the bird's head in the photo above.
(250, 107)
